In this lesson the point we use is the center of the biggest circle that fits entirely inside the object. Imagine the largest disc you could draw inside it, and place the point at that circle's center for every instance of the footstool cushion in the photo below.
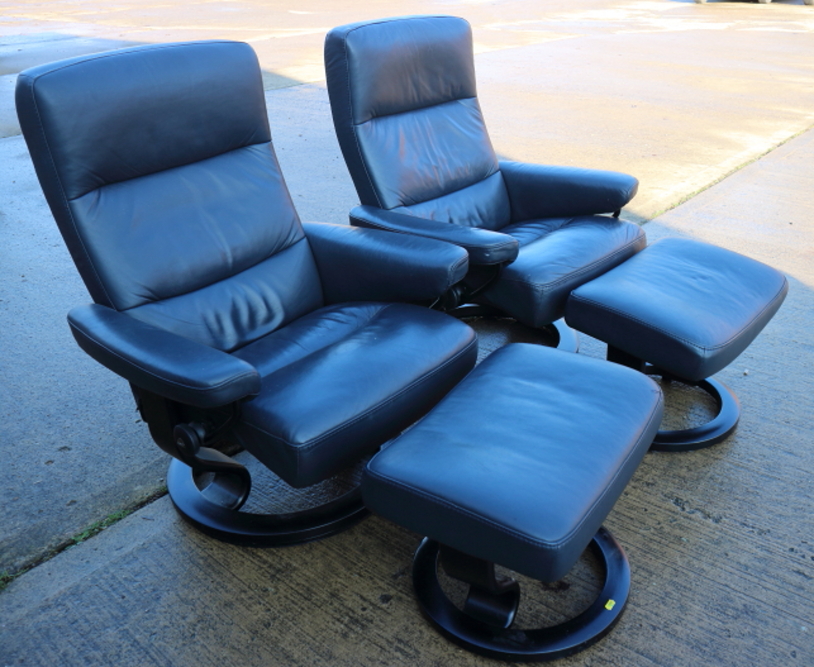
(686, 307)
(522, 461)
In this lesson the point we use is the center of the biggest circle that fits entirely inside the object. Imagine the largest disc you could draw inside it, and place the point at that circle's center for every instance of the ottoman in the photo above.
(519, 465)
(683, 310)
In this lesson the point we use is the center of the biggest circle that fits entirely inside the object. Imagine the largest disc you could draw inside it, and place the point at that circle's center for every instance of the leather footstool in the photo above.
(686, 308)
(518, 465)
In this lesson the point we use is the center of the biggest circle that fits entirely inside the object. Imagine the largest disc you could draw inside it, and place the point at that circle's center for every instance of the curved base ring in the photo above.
(515, 645)
(708, 434)
(567, 338)
(260, 530)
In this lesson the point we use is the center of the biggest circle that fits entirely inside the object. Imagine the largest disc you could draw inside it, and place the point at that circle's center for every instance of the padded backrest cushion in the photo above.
(406, 113)
(158, 166)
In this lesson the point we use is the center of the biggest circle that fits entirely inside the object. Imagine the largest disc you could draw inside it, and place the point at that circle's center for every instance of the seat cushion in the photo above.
(687, 307)
(522, 461)
(557, 255)
(343, 379)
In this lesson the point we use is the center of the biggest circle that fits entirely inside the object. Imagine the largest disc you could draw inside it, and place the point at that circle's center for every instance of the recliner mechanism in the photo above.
(220, 479)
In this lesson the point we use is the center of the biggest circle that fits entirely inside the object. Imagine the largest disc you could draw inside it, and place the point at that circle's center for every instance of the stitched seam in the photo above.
(454, 268)
(179, 166)
(81, 241)
(583, 270)
(65, 199)
(115, 54)
(453, 192)
(422, 233)
(305, 448)
(352, 124)
(648, 325)
(243, 374)
(414, 109)
(219, 280)
(500, 527)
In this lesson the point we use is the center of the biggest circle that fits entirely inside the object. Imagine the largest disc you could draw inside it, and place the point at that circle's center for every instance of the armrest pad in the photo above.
(483, 245)
(371, 265)
(543, 191)
(160, 361)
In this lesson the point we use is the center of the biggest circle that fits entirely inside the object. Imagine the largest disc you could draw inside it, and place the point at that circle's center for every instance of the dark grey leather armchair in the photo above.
(230, 319)
(406, 113)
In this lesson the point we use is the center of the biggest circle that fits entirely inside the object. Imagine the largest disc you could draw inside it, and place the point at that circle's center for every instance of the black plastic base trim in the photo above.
(517, 645)
(260, 530)
(706, 435)
(566, 337)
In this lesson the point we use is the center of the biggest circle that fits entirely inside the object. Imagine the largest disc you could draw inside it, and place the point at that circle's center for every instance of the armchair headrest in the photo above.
(123, 114)
(402, 64)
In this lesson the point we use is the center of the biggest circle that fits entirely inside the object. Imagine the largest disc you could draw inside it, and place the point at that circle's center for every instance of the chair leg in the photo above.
(196, 503)
(495, 640)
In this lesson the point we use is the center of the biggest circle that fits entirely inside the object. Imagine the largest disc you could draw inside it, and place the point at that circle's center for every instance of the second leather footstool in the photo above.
(688, 309)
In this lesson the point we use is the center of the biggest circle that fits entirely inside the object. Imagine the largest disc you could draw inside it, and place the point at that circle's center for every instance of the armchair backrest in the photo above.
(405, 108)
(158, 166)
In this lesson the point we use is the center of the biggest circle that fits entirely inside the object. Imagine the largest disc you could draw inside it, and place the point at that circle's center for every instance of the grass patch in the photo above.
(697, 192)
(99, 526)
(95, 528)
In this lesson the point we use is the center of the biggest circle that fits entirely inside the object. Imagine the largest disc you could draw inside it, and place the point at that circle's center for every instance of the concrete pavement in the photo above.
(720, 541)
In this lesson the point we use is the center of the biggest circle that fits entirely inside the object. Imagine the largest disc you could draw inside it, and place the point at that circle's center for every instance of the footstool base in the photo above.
(518, 645)
(706, 435)
(714, 431)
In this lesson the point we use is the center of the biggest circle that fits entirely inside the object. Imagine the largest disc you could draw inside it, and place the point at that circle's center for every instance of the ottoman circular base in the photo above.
(259, 530)
(705, 435)
(518, 645)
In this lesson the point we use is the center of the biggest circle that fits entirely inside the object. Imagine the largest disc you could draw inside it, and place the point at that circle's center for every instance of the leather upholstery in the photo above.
(385, 267)
(557, 255)
(173, 136)
(405, 109)
(158, 166)
(381, 72)
(687, 307)
(482, 245)
(545, 191)
(347, 376)
(522, 479)
(161, 361)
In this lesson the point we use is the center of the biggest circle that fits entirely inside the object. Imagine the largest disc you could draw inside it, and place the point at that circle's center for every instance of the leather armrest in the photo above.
(483, 245)
(371, 265)
(543, 191)
(160, 361)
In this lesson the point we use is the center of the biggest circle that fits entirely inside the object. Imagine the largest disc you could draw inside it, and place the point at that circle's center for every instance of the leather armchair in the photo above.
(307, 345)
(405, 108)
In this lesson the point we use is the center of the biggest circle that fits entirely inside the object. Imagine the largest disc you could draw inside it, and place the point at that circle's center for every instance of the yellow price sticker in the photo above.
(610, 604)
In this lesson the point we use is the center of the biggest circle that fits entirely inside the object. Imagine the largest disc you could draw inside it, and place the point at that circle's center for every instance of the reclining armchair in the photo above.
(230, 319)
(405, 108)
(406, 113)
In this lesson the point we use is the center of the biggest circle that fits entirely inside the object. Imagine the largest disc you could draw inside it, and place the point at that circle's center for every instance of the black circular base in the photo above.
(260, 530)
(708, 434)
(516, 645)
(567, 339)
